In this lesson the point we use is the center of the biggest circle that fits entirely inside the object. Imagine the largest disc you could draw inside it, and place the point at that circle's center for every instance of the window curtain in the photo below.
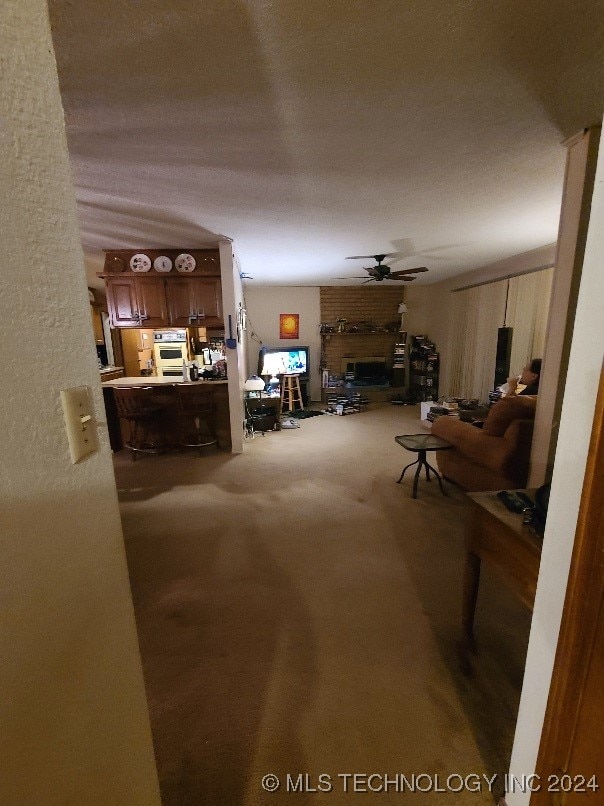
(476, 315)
(527, 310)
(521, 303)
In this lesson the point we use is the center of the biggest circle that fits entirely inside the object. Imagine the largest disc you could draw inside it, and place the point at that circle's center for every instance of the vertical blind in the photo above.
(521, 303)
(527, 309)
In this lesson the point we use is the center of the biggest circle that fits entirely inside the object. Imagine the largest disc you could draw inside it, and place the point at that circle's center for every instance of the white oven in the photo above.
(169, 351)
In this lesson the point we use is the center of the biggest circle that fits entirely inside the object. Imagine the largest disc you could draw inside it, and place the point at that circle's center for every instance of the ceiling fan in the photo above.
(381, 271)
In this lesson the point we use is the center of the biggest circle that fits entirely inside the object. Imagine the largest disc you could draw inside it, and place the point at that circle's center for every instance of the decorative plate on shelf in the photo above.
(162, 263)
(140, 262)
(185, 262)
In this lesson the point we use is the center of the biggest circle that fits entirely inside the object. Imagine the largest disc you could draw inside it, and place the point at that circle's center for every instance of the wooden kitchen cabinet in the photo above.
(153, 301)
(208, 301)
(151, 295)
(137, 301)
(97, 325)
(195, 301)
(121, 301)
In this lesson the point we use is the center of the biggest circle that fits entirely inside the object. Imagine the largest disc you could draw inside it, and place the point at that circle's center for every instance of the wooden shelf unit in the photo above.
(424, 369)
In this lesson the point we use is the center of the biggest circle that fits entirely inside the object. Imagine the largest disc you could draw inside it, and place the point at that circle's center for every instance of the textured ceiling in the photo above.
(309, 131)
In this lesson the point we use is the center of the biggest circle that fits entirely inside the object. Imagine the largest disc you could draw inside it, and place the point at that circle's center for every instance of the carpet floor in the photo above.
(299, 613)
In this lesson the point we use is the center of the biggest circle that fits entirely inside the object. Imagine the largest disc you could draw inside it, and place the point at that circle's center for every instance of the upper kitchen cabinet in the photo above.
(195, 301)
(158, 288)
(137, 301)
(122, 302)
(151, 296)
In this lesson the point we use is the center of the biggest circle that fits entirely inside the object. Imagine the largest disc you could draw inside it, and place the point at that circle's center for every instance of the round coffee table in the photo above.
(420, 444)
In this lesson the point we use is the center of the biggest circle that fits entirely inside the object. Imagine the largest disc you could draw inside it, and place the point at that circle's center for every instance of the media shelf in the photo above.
(399, 360)
(424, 369)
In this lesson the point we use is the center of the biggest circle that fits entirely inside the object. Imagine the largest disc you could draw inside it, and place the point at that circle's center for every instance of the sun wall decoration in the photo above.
(289, 325)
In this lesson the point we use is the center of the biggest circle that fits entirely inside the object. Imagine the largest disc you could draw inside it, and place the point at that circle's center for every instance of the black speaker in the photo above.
(502, 359)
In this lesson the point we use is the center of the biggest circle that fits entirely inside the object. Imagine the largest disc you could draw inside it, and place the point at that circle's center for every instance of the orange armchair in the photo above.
(495, 457)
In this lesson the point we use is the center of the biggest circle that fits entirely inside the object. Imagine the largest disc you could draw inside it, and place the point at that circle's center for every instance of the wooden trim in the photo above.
(579, 179)
(581, 623)
(575, 138)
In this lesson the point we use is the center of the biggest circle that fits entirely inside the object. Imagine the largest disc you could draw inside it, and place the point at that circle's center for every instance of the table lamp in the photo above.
(254, 384)
(402, 309)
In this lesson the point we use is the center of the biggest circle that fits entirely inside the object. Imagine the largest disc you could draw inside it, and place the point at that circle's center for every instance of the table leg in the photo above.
(406, 468)
(421, 460)
(471, 581)
(438, 478)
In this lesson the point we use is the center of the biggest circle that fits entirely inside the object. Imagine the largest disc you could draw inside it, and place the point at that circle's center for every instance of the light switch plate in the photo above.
(80, 422)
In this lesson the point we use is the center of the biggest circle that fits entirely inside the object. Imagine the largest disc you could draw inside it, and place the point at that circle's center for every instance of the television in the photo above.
(278, 361)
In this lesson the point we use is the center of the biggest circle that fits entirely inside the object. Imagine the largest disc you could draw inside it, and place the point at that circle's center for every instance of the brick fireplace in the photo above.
(376, 305)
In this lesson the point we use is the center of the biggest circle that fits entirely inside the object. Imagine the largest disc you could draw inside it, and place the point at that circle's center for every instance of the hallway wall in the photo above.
(74, 717)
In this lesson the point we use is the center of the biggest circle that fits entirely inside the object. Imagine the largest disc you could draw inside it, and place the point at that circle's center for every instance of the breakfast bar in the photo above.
(169, 424)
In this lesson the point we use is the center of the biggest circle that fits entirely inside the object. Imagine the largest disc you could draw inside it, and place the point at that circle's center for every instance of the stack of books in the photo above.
(435, 412)
(345, 404)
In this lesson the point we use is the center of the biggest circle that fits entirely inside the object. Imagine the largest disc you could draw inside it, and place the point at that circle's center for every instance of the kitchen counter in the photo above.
(109, 370)
(170, 423)
(111, 373)
(154, 380)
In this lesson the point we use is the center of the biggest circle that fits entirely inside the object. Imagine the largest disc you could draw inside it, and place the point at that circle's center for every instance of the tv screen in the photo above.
(277, 361)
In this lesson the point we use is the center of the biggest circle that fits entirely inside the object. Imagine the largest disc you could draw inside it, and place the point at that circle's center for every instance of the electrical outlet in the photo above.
(80, 422)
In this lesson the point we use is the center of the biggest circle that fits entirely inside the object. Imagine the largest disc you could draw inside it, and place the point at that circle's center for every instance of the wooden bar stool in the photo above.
(136, 405)
(196, 407)
(291, 393)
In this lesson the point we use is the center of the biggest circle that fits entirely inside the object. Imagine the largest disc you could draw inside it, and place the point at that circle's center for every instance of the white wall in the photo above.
(74, 717)
(586, 357)
(265, 303)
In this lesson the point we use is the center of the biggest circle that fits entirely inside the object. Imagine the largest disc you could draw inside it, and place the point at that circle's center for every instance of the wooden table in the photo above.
(511, 548)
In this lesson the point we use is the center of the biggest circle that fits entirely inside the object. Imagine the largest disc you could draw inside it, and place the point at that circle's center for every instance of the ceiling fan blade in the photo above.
(408, 271)
(370, 280)
(358, 277)
(375, 257)
(405, 279)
